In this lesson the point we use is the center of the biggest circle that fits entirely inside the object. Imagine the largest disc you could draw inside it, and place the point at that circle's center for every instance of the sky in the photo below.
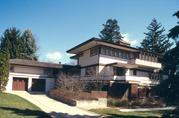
(59, 25)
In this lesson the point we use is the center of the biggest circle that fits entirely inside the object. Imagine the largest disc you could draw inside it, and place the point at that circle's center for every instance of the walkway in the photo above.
(55, 108)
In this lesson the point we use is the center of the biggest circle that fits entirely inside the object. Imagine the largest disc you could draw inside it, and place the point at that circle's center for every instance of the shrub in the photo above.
(117, 103)
(73, 95)
(142, 103)
(4, 69)
(171, 114)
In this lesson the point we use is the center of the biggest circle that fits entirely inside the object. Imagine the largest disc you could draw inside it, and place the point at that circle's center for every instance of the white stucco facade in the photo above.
(86, 59)
(48, 81)
(31, 76)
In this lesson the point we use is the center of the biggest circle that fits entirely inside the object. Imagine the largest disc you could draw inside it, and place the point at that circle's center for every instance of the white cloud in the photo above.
(128, 39)
(54, 57)
(57, 56)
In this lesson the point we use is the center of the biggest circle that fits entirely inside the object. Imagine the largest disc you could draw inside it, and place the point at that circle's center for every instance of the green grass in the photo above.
(12, 106)
(114, 113)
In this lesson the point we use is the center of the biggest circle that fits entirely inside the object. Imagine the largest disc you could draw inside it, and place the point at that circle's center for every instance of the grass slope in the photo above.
(114, 113)
(12, 106)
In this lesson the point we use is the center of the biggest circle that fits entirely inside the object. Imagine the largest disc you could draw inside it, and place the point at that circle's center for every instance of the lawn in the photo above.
(114, 113)
(12, 106)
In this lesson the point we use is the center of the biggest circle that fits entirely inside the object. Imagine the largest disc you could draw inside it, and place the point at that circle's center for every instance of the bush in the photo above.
(73, 95)
(140, 103)
(171, 114)
(117, 103)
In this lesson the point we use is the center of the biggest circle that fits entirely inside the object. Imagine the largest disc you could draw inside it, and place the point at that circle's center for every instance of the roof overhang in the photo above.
(95, 41)
(117, 64)
(33, 63)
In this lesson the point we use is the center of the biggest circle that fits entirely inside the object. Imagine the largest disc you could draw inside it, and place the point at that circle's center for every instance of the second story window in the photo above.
(94, 51)
(90, 71)
(12, 68)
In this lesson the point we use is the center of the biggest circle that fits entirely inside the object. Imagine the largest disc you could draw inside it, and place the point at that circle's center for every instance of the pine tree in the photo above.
(19, 45)
(11, 41)
(111, 31)
(155, 41)
(29, 47)
(4, 69)
(174, 32)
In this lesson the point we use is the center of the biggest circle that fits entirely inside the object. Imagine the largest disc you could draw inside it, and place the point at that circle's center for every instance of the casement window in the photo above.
(134, 72)
(131, 56)
(48, 71)
(94, 51)
(116, 54)
(119, 54)
(90, 71)
(118, 71)
(11, 68)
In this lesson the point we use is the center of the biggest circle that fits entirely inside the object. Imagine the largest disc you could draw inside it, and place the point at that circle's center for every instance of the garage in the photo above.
(38, 85)
(20, 84)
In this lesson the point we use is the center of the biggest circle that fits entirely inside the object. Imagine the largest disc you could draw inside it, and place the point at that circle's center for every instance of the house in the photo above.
(33, 76)
(130, 71)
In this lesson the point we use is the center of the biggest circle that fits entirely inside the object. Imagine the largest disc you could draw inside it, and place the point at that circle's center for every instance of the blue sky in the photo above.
(58, 25)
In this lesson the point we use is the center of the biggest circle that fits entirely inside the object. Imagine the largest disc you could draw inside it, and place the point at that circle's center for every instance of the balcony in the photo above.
(136, 80)
(145, 63)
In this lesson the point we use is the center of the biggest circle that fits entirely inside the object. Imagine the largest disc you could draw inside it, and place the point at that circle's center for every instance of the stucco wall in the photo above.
(86, 59)
(50, 82)
(91, 104)
(30, 70)
(106, 70)
(147, 63)
(104, 59)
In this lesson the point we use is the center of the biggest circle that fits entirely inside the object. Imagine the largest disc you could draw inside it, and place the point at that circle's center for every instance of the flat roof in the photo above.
(96, 41)
(25, 62)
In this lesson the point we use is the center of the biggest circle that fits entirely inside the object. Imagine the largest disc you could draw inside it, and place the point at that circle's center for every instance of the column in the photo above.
(29, 84)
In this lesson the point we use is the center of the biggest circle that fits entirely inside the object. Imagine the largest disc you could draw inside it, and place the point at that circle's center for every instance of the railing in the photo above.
(146, 63)
(127, 78)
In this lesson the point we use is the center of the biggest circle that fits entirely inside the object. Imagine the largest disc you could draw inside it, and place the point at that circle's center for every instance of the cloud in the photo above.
(54, 57)
(57, 56)
(127, 38)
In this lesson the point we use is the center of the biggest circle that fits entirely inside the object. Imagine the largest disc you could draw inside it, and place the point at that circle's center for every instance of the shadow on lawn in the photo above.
(65, 115)
(27, 112)
(129, 116)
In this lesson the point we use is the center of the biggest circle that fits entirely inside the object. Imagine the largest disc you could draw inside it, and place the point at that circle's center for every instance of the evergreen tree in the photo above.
(29, 47)
(169, 88)
(111, 31)
(19, 45)
(174, 32)
(155, 41)
(11, 40)
(4, 69)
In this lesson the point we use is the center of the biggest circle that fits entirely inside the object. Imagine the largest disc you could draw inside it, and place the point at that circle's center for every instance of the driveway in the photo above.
(55, 108)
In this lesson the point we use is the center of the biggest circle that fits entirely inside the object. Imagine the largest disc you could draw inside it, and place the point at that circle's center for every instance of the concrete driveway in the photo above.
(55, 108)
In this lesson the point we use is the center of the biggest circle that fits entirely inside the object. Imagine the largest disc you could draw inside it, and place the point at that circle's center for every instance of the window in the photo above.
(12, 68)
(124, 55)
(94, 51)
(134, 72)
(131, 56)
(116, 54)
(48, 71)
(113, 52)
(119, 71)
(103, 50)
(119, 54)
(90, 71)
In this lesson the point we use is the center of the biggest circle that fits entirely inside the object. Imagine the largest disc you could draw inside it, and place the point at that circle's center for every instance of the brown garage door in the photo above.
(20, 84)
(38, 85)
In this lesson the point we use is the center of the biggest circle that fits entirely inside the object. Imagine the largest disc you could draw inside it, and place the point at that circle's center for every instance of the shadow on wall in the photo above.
(119, 90)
